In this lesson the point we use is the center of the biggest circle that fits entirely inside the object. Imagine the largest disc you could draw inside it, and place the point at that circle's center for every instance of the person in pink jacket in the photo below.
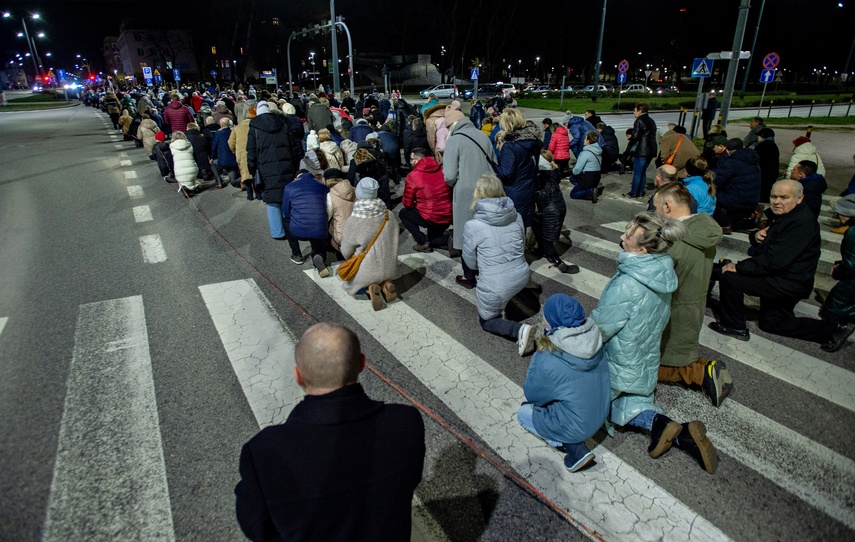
(559, 146)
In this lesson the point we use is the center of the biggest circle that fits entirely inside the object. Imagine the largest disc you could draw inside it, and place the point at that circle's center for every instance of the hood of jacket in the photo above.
(344, 190)
(581, 342)
(655, 271)
(427, 165)
(608, 130)
(270, 123)
(495, 211)
(526, 133)
(749, 156)
(561, 129)
(595, 148)
(805, 148)
(180, 144)
(702, 232)
(174, 104)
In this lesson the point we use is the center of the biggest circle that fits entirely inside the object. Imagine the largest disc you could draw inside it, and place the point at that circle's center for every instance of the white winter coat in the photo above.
(185, 164)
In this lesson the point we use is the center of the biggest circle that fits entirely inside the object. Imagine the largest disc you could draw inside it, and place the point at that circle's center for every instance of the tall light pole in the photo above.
(336, 85)
(730, 82)
(599, 55)
(536, 62)
(30, 43)
(753, 46)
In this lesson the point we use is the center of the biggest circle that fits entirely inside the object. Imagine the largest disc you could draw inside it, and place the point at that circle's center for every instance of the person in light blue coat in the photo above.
(587, 171)
(494, 247)
(632, 313)
(567, 387)
(700, 184)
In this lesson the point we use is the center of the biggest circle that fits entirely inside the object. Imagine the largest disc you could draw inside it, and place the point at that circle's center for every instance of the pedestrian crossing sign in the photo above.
(702, 67)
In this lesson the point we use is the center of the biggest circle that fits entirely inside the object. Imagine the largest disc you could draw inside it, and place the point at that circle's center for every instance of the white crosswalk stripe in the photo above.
(109, 479)
(606, 498)
(3, 323)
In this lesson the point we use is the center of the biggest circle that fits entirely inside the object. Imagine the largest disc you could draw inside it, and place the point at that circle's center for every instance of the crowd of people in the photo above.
(487, 188)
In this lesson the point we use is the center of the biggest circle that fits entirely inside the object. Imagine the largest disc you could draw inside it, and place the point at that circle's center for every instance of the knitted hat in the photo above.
(367, 188)
(160, 136)
(561, 310)
(288, 109)
(845, 206)
(455, 104)
(262, 107)
(800, 141)
(694, 171)
(567, 117)
(719, 140)
(452, 116)
(311, 163)
(334, 173)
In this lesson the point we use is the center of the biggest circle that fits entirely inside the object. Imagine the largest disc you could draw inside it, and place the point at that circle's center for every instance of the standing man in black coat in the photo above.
(273, 154)
(780, 271)
(770, 157)
(737, 183)
(708, 115)
(342, 466)
(642, 145)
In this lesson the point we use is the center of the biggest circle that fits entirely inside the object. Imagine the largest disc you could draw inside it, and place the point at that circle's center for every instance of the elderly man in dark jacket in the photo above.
(642, 145)
(319, 116)
(737, 182)
(780, 272)
(272, 157)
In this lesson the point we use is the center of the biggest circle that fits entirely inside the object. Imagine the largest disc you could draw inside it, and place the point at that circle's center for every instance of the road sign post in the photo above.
(473, 75)
(147, 75)
(701, 69)
(623, 67)
(765, 76)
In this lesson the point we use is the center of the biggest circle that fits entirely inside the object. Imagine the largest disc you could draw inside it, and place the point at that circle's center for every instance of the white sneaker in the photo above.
(525, 340)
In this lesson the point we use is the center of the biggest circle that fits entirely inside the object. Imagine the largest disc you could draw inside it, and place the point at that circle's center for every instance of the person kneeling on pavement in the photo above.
(550, 212)
(185, 169)
(567, 385)
(840, 304)
(781, 270)
(427, 202)
(586, 173)
(632, 313)
(304, 216)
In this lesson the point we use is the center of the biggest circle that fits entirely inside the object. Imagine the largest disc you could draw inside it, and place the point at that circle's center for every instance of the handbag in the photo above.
(348, 268)
(670, 159)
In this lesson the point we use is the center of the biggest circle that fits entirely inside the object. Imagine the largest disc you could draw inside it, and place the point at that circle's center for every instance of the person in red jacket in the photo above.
(177, 116)
(559, 146)
(427, 202)
(196, 102)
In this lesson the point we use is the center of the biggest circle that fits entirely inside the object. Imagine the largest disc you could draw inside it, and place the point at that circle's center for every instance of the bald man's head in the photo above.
(328, 358)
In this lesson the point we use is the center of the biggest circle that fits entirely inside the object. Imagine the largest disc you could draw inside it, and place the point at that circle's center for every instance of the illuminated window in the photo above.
(241, 50)
(213, 50)
(275, 21)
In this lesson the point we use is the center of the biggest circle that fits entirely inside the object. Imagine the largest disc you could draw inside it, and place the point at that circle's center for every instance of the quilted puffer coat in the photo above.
(272, 150)
(551, 208)
(840, 303)
(737, 180)
(425, 189)
(185, 169)
(517, 168)
(559, 144)
(304, 204)
(631, 314)
(493, 243)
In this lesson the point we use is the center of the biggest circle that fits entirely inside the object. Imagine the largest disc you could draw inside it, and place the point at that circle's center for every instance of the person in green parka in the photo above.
(693, 262)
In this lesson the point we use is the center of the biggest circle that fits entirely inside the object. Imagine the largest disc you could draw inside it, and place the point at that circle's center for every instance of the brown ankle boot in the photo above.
(840, 229)
(389, 290)
(376, 296)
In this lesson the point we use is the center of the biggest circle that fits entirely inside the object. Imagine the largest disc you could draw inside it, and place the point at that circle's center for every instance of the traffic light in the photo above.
(91, 77)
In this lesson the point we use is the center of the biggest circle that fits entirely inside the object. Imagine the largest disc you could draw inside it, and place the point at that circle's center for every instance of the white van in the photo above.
(641, 89)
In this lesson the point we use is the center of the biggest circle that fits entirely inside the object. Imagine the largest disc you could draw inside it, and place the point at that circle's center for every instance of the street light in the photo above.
(31, 44)
(536, 61)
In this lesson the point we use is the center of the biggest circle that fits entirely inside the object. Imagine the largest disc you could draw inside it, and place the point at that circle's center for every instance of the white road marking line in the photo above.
(130, 175)
(612, 497)
(773, 450)
(115, 137)
(142, 213)
(109, 480)
(152, 249)
(125, 163)
(123, 155)
(135, 191)
(119, 146)
(801, 370)
(3, 323)
(259, 346)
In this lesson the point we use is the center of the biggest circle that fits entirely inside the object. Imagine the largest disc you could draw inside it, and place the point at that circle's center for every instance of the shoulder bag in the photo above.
(348, 268)
(670, 159)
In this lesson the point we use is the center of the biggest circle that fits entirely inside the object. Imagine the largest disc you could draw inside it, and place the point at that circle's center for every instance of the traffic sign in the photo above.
(702, 67)
(623, 67)
(648, 73)
(770, 61)
(474, 74)
(621, 78)
(146, 71)
(767, 76)
(176, 74)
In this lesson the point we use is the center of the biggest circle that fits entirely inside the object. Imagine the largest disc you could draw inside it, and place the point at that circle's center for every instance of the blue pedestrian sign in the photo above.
(621, 78)
(474, 75)
(767, 76)
(702, 67)
(146, 71)
(177, 75)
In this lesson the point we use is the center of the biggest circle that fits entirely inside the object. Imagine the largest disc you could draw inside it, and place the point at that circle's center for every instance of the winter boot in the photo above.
(693, 439)
(578, 456)
(662, 435)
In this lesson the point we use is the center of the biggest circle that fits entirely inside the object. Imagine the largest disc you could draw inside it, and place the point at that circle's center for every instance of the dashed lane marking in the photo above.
(152, 249)
(142, 213)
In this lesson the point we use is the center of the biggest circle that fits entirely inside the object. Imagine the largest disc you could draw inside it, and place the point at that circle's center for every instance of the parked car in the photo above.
(668, 90)
(508, 88)
(600, 88)
(485, 92)
(440, 91)
(635, 87)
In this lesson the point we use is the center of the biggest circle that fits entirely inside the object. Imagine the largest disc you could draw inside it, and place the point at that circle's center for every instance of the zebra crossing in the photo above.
(110, 477)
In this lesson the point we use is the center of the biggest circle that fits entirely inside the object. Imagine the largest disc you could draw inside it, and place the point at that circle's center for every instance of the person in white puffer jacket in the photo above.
(494, 247)
(804, 149)
(185, 169)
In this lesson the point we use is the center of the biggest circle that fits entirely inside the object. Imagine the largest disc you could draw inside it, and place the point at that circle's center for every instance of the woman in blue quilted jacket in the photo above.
(631, 314)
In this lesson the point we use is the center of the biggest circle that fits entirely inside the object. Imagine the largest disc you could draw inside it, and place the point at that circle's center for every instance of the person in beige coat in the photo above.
(334, 155)
(237, 144)
(148, 128)
(340, 200)
(431, 116)
(380, 264)
(682, 154)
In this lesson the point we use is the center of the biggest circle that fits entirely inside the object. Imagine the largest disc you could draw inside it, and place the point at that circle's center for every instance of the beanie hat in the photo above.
(311, 163)
(719, 140)
(312, 140)
(561, 310)
(801, 140)
(288, 109)
(367, 188)
(567, 117)
(680, 129)
(846, 206)
(543, 164)
(452, 116)
(262, 107)
(455, 104)
(160, 136)
(334, 173)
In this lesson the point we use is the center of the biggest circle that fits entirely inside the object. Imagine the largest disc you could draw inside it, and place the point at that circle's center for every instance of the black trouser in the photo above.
(738, 217)
(217, 169)
(319, 246)
(562, 166)
(778, 297)
(414, 221)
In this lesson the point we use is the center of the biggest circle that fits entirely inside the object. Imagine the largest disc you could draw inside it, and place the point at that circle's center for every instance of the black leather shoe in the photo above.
(741, 334)
(842, 332)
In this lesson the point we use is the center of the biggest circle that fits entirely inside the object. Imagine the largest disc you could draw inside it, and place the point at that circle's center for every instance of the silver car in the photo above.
(440, 91)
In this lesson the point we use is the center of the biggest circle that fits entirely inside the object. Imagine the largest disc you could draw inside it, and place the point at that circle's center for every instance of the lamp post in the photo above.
(599, 55)
(30, 43)
(336, 84)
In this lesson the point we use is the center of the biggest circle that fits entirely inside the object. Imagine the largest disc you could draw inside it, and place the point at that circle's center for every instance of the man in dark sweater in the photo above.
(780, 271)
(342, 466)
(813, 184)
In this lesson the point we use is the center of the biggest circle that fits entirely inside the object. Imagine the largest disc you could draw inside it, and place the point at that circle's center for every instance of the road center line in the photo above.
(130, 175)
(3, 323)
(109, 480)
(135, 191)
(152, 249)
(125, 163)
(142, 213)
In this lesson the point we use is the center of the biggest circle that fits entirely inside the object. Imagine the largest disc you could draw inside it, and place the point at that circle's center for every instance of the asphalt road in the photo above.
(145, 337)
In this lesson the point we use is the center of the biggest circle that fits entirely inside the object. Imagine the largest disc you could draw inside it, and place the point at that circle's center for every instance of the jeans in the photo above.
(639, 175)
(524, 416)
(500, 326)
(414, 221)
(234, 177)
(319, 246)
(643, 420)
(578, 192)
(274, 220)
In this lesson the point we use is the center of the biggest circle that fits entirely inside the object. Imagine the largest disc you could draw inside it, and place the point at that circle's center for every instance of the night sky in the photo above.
(808, 34)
